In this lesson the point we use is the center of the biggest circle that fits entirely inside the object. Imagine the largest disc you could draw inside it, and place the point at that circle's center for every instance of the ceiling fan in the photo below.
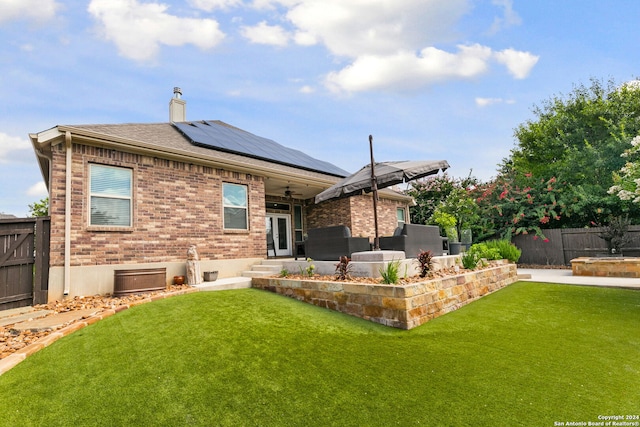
(289, 194)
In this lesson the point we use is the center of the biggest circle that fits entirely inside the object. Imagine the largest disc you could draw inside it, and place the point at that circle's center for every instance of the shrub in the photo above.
(507, 249)
(390, 273)
(470, 260)
(343, 268)
(484, 250)
(425, 259)
(496, 249)
(284, 272)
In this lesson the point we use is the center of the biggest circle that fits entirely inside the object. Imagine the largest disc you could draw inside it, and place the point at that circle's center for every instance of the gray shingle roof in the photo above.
(166, 136)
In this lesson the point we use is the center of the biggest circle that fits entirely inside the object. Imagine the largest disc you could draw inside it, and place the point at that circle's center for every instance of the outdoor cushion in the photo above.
(330, 243)
(415, 238)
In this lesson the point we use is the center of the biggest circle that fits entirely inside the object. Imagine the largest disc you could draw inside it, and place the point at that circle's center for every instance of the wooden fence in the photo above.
(24, 261)
(565, 244)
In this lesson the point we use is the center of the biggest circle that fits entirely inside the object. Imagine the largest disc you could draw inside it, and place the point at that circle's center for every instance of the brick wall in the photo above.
(326, 214)
(176, 204)
(357, 214)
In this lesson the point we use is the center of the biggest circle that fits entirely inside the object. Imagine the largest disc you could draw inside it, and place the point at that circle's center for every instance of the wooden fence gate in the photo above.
(24, 261)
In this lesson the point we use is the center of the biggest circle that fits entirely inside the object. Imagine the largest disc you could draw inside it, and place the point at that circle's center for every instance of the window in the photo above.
(401, 216)
(235, 205)
(110, 194)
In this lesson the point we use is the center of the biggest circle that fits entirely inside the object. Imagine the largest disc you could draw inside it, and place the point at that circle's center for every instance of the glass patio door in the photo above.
(278, 233)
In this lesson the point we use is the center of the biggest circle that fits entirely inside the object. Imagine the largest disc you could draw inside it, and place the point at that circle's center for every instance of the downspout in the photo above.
(67, 215)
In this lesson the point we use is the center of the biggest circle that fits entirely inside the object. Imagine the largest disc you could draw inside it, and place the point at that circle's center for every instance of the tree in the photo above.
(627, 179)
(444, 194)
(428, 193)
(40, 208)
(432, 191)
(511, 205)
(578, 139)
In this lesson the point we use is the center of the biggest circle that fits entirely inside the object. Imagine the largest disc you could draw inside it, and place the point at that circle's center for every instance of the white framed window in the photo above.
(110, 196)
(401, 215)
(235, 204)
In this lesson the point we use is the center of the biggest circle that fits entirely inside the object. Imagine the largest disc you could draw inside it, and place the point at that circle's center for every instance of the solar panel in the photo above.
(211, 134)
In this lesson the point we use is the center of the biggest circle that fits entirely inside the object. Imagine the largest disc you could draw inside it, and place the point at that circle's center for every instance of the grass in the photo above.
(531, 354)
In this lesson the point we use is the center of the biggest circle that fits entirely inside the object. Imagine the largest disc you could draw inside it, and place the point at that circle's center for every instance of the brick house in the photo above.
(138, 195)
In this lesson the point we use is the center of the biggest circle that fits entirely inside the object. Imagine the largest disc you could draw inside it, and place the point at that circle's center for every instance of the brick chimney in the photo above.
(177, 107)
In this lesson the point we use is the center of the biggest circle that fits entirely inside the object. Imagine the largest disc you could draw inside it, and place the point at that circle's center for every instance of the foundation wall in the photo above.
(399, 306)
(99, 279)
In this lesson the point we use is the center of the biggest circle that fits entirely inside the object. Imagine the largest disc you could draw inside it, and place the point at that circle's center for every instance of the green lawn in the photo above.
(531, 354)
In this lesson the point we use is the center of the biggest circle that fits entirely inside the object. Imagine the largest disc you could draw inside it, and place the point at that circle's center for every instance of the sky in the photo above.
(429, 79)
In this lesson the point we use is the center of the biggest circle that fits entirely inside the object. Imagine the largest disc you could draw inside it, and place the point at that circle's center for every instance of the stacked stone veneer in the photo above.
(399, 306)
(606, 267)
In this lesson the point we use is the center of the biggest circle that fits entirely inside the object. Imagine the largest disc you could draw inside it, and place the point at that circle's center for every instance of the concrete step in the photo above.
(276, 268)
(277, 261)
(253, 273)
(225, 284)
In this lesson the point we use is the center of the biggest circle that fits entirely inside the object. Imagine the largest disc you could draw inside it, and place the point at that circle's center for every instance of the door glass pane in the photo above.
(269, 228)
(282, 233)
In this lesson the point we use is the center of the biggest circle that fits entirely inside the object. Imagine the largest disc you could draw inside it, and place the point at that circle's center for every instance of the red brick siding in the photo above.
(332, 212)
(357, 214)
(176, 204)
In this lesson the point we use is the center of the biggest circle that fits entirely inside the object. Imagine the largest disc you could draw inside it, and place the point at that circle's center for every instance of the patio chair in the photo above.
(413, 238)
(330, 243)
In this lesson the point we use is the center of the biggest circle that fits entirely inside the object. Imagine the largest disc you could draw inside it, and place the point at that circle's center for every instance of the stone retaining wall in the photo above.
(606, 267)
(399, 306)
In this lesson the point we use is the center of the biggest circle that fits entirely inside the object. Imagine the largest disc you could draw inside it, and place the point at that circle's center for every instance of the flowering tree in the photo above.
(627, 180)
(428, 193)
(524, 204)
(443, 194)
(578, 138)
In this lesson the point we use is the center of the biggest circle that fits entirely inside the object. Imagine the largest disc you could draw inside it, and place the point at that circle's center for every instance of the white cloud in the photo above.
(518, 63)
(391, 45)
(266, 34)
(33, 10)
(406, 71)
(307, 89)
(138, 29)
(209, 5)
(303, 38)
(38, 190)
(10, 144)
(484, 102)
(510, 16)
(377, 27)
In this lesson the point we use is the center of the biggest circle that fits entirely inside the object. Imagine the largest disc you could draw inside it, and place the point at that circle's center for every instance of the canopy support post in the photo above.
(374, 187)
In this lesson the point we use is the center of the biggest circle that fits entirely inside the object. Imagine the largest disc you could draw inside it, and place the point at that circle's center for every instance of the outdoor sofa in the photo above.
(330, 243)
(413, 238)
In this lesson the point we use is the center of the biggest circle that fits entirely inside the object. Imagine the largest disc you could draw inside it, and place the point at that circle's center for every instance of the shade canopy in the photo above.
(386, 175)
